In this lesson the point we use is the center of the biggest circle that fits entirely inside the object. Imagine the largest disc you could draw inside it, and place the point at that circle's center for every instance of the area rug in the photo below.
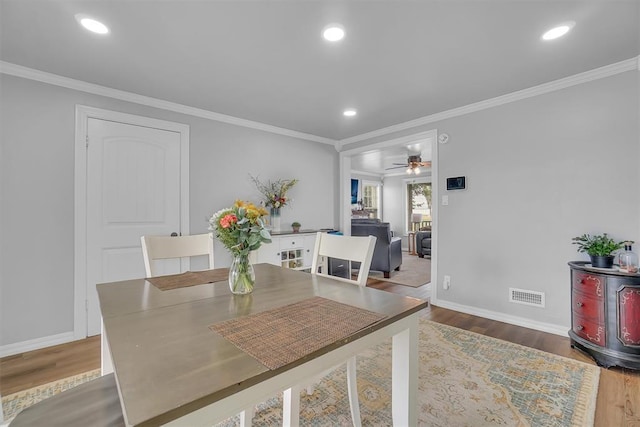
(414, 272)
(465, 379)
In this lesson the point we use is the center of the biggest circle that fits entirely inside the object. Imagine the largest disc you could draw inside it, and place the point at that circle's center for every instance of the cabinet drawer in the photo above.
(291, 243)
(588, 306)
(589, 329)
(590, 284)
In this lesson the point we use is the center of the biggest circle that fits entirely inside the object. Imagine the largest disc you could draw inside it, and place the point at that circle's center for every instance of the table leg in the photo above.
(246, 417)
(291, 407)
(352, 388)
(411, 242)
(106, 365)
(404, 383)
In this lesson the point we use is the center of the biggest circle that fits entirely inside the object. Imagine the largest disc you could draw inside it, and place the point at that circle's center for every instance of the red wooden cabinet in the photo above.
(605, 315)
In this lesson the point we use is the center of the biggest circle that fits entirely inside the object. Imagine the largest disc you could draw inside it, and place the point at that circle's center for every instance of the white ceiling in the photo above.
(265, 60)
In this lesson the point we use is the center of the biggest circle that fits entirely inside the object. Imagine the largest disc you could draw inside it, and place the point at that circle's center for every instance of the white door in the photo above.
(133, 189)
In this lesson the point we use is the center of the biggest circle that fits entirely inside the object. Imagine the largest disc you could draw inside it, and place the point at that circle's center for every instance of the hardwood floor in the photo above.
(618, 401)
(26, 370)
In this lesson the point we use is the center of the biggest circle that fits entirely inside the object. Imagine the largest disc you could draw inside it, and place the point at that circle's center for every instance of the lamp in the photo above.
(416, 218)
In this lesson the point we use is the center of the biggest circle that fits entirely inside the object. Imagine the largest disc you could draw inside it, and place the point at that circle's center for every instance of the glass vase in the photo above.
(274, 216)
(242, 278)
(628, 260)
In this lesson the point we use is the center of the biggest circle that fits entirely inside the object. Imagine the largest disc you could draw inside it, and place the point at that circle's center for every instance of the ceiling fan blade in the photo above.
(396, 167)
(400, 164)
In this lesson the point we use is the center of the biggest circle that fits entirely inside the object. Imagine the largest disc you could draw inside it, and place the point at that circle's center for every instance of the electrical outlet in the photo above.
(446, 282)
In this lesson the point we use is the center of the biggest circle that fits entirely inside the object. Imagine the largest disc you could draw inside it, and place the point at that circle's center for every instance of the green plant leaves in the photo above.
(598, 245)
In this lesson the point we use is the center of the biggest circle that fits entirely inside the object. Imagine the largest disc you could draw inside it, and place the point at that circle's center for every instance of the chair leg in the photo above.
(352, 386)
(310, 389)
(386, 274)
(246, 417)
(291, 407)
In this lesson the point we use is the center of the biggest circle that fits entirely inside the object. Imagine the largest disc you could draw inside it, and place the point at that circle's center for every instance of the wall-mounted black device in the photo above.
(456, 183)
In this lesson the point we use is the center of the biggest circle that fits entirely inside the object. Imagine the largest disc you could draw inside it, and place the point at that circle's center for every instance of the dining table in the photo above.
(186, 351)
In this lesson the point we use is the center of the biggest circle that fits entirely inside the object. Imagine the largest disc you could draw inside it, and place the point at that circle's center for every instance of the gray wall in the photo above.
(37, 193)
(540, 171)
(393, 207)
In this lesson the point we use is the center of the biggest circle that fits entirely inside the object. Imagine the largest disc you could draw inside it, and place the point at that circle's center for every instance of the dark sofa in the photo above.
(387, 254)
(423, 243)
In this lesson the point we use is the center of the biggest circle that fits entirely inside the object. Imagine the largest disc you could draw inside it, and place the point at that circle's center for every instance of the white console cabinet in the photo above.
(288, 250)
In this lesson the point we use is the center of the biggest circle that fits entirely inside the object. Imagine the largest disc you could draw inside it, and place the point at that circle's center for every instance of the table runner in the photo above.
(286, 334)
(189, 278)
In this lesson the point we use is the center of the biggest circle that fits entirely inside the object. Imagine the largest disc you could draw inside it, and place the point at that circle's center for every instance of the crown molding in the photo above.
(632, 64)
(365, 173)
(57, 80)
(403, 140)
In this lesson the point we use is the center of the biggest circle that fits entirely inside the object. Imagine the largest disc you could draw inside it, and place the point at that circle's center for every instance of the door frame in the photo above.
(83, 114)
(345, 189)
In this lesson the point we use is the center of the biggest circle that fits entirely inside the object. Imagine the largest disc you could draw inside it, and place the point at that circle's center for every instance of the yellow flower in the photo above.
(252, 214)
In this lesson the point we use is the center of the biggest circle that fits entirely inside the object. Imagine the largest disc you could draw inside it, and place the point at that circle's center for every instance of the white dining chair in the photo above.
(170, 247)
(351, 249)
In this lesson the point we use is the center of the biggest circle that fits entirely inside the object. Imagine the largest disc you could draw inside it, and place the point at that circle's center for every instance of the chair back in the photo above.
(168, 247)
(350, 248)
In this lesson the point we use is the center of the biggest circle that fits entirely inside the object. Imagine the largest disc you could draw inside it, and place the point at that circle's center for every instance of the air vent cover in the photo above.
(522, 296)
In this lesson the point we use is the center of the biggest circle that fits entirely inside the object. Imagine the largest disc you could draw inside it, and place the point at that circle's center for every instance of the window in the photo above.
(371, 198)
(418, 205)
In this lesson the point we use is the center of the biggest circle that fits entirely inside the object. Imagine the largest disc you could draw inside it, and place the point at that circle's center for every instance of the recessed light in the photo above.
(558, 31)
(333, 32)
(349, 112)
(91, 24)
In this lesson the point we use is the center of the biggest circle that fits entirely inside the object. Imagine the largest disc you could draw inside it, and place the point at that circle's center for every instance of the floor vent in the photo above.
(521, 296)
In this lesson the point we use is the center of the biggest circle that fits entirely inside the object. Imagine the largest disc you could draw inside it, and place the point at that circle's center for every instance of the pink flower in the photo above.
(228, 220)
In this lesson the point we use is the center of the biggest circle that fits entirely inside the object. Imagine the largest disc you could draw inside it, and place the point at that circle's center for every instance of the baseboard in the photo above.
(501, 317)
(36, 344)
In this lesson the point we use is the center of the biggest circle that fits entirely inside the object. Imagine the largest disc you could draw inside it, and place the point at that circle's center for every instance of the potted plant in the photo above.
(599, 247)
(296, 226)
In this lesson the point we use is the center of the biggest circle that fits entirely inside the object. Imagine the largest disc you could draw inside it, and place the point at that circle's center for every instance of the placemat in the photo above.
(189, 278)
(285, 334)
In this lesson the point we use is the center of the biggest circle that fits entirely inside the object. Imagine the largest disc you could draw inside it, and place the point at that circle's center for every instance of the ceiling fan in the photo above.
(413, 165)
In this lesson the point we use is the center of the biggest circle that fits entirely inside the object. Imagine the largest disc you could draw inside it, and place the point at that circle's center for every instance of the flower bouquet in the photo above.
(275, 192)
(241, 230)
(275, 197)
